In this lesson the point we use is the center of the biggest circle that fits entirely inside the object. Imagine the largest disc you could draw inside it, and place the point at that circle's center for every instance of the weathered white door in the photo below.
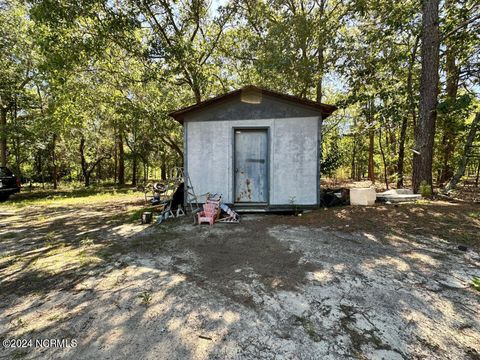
(251, 165)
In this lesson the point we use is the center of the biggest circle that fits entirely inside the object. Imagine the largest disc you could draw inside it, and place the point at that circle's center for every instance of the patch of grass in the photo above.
(119, 280)
(136, 215)
(19, 323)
(147, 244)
(69, 196)
(422, 202)
(111, 250)
(309, 328)
(86, 242)
(9, 235)
(19, 354)
(60, 249)
(85, 259)
(146, 298)
(8, 259)
(476, 283)
(49, 239)
(54, 318)
(65, 257)
(82, 256)
(474, 214)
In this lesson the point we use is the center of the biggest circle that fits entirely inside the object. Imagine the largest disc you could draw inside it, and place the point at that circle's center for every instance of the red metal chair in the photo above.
(208, 215)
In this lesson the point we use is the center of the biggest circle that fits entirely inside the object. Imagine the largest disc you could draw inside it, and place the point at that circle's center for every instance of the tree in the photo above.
(288, 45)
(467, 151)
(17, 66)
(380, 69)
(461, 51)
(413, 113)
(425, 127)
(92, 96)
(183, 39)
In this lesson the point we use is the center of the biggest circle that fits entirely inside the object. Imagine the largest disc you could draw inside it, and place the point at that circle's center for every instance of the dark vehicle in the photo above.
(9, 183)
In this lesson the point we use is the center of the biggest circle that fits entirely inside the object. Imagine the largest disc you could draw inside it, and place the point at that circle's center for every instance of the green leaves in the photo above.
(99, 68)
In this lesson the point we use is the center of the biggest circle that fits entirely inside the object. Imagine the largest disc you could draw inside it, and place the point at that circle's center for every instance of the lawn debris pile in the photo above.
(334, 197)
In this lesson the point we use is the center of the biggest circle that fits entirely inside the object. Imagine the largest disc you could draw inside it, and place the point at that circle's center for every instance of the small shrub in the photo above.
(9, 235)
(55, 317)
(476, 283)
(86, 242)
(475, 214)
(309, 328)
(84, 258)
(425, 189)
(146, 298)
(49, 239)
(119, 280)
(293, 201)
(20, 323)
(19, 354)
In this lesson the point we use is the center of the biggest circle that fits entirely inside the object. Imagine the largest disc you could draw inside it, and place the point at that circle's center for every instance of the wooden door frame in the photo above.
(234, 182)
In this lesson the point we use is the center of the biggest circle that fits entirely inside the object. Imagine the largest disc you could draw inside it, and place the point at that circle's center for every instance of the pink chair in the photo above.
(214, 199)
(208, 214)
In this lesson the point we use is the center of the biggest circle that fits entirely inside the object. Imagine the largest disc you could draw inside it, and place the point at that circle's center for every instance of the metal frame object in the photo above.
(164, 191)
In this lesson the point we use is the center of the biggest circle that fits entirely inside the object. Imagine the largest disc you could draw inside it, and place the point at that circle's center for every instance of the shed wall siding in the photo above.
(292, 163)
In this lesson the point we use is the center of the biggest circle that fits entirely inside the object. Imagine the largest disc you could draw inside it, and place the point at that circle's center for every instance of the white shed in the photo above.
(256, 147)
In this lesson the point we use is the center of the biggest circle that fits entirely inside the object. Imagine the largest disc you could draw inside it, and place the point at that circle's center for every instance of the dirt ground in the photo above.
(381, 282)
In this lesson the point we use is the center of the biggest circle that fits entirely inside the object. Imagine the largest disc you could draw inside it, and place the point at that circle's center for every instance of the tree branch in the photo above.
(460, 26)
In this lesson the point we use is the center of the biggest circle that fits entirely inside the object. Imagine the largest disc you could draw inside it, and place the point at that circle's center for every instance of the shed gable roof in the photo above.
(324, 109)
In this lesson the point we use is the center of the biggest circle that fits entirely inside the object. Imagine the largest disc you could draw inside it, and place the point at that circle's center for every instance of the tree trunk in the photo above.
(371, 147)
(321, 64)
(145, 171)
(87, 169)
(321, 53)
(54, 162)
(425, 129)
(385, 172)
(390, 150)
(86, 178)
(121, 158)
(478, 174)
(354, 155)
(18, 161)
(466, 153)
(448, 138)
(410, 88)
(321, 61)
(98, 172)
(83, 163)
(134, 169)
(163, 171)
(115, 155)
(39, 166)
(401, 153)
(3, 136)
(197, 93)
(413, 113)
(171, 143)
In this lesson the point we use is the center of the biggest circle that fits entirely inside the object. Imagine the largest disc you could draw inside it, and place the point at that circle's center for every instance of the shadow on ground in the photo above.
(272, 286)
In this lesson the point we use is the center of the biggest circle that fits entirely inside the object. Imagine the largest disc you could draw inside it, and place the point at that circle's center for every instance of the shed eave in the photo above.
(325, 109)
